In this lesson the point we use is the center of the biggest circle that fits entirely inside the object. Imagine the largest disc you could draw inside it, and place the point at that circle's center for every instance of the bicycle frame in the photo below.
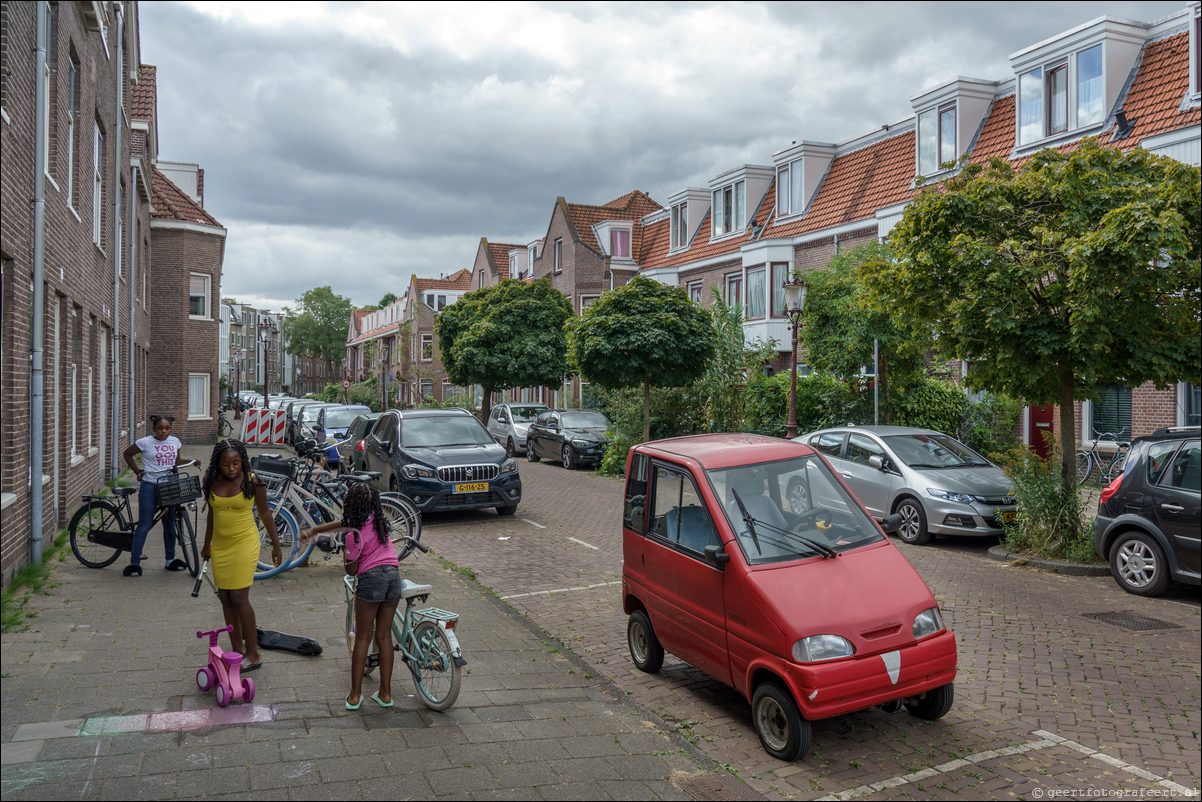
(404, 637)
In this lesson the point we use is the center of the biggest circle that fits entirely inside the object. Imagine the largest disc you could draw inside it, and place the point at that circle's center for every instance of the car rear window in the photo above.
(828, 444)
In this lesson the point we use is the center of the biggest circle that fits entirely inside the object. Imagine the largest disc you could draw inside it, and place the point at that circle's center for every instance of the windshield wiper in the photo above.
(820, 548)
(748, 520)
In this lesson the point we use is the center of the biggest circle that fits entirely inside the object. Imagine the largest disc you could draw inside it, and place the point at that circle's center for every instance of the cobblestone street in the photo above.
(1046, 698)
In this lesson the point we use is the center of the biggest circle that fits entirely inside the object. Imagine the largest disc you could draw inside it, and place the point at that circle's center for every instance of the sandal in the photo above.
(354, 706)
(132, 570)
(375, 695)
(177, 565)
(251, 667)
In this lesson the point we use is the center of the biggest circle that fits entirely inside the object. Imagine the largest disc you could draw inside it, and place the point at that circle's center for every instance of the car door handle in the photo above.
(1171, 507)
(846, 475)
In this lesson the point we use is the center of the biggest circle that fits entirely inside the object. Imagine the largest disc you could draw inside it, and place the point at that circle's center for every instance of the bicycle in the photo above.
(224, 427)
(101, 529)
(424, 637)
(1108, 469)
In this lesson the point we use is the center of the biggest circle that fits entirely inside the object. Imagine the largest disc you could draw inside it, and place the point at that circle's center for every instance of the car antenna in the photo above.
(748, 519)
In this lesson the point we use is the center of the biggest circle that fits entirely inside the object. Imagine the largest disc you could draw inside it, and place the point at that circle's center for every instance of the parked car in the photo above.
(1149, 521)
(350, 450)
(808, 611)
(508, 424)
(292, 431)
(939, 485)
(307, 420)
(572, 436)
(336, 419)
(279, 401)
(442, 459)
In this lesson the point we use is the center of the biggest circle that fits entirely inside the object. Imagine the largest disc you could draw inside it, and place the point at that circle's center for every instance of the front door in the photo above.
(1040, 425)
(685, 592)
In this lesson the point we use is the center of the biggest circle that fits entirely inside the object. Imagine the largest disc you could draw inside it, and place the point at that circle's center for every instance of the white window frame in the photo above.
(1195, 55)
(783, 177)
(764, 297)
(208, 280)
(1072, 100)
(590, 299)
(559, 255)
(679, 226)
(427, 338)
(204, 415)
(697, 292)
(97, 185)
(930, 123)
(721, 226)
(72, 103)
(615, 237)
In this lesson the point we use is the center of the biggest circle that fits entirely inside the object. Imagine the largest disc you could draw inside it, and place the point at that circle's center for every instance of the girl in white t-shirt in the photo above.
(160, 451)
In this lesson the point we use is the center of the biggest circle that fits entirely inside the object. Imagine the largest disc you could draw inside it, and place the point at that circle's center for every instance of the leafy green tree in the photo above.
(840, 325)
(1078, 270)
(388, 298)
(642, 333)
(507, 335)
(318, 326)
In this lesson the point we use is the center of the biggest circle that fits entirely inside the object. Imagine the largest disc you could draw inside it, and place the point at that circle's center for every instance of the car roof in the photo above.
(576, 409)
(350, 406)
(716, 451)
(880, 431)
(1171, 433)
(431, 413)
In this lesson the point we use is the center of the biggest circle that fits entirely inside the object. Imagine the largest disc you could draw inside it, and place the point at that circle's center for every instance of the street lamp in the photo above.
(263, 327)
(795, 300)
(240, 353)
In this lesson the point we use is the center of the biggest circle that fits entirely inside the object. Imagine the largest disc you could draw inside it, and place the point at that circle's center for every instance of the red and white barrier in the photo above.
(263, 427)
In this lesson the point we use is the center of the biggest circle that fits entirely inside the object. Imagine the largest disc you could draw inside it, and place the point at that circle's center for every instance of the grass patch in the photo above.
(28, 580)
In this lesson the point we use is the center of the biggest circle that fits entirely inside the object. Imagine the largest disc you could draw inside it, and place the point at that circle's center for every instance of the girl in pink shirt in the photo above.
(370, 556)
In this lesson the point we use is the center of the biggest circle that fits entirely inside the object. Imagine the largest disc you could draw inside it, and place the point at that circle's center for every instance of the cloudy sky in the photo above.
(355, 144)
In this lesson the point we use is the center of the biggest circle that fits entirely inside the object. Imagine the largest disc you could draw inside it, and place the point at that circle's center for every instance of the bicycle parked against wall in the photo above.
(104, 526)
(1109, 468)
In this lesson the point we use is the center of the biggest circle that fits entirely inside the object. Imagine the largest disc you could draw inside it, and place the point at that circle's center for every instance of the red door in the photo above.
(1039, 426)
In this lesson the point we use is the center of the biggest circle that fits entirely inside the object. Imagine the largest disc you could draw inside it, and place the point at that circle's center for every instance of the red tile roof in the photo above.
(997, 137)
(459, 280)
(142, 96)
(631, 206)
(702, 247)
(1153, 102)
(169, 202)
(498, 256)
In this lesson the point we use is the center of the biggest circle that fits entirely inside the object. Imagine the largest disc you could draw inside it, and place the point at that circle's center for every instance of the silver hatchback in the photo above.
(936, 483)
(508, 424)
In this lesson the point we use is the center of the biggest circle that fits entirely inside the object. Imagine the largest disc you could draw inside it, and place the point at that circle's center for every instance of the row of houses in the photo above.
(110, 267)
(1129, 84)
(254, 354)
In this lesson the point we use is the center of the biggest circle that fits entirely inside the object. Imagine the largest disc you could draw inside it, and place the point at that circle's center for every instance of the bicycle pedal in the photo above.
(373, 660)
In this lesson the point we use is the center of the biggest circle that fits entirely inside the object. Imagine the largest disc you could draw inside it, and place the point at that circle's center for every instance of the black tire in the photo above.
(645, 651)
(914, 522)
(784, 734)
(224, 427)
(568, 458)
(530, 455)
(798, 496)
(1084, 467)
(405, 520)
(1115, 470)
(507, 510)
(509, 448)
(935, 704)
(436, 675)
(100, 515)
(1138, 564)
(185, 535)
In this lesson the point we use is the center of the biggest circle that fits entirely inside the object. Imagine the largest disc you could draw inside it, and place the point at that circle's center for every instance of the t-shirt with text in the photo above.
(158, 457)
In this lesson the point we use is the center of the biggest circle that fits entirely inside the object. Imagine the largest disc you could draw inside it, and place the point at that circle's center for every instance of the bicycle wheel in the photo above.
(404, 520)
(373, 651)
(288, 531)
(1084, 467)
(435, 673)
(1115, 469)
(224, 427)
(185, 534)
(96, 515)
(301, 555)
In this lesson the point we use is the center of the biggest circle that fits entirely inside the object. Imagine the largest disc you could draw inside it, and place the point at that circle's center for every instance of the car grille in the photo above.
(470, 499)
(468, 473)
(1000, 501)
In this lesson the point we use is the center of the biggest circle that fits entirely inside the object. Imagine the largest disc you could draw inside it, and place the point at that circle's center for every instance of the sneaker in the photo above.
(176, 564)
(132, 570)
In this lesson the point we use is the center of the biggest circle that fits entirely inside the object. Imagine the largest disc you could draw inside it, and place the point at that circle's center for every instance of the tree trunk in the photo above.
(646, 409)
(485, 404)
(1068, 430)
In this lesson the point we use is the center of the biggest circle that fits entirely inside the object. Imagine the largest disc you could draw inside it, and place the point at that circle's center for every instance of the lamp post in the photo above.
(263, 327)
(240, 353)
(795, 299)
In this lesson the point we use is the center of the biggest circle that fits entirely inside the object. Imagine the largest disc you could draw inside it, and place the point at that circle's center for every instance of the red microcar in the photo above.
(748, 558)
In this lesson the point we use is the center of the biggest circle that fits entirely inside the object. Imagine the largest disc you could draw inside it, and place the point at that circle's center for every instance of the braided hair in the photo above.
(248, 488)
(363, 502)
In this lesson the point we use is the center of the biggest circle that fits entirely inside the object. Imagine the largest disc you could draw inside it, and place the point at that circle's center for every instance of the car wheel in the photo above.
(934, 704)
(569, 460)
(530, 455)
(798, 496)
(1138, 564)
(509, 449)
(914, 522)
(507, 510)
(394, 485)
(784, 734)
(645, 650)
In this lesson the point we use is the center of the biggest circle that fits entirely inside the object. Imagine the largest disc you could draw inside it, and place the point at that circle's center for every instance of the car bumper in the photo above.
(975, 520)
(845, 686)
(434, 496)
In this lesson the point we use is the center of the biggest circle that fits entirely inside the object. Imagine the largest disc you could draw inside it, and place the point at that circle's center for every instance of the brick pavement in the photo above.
(98, 701)
(1029, 662)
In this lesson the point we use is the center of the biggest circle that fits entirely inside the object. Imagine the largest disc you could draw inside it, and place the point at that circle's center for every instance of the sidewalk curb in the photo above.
(1000, 554)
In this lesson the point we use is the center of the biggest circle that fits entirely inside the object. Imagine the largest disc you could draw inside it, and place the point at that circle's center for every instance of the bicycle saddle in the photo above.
(1124, 445)
(333, 487)
(372, 475)
(411, 589)
(124, 491)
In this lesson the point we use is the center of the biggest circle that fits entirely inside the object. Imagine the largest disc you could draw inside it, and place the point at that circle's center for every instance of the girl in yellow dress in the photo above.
(232, 540)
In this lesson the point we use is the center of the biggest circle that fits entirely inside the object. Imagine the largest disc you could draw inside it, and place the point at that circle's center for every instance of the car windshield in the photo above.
(443, 431)
(526, 414)
(798, 509)
(583, 420)
(934, 451)
(309, 415)
(342, 418)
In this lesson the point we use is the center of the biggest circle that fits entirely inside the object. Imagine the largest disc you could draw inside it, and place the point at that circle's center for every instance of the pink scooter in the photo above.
(222, 672)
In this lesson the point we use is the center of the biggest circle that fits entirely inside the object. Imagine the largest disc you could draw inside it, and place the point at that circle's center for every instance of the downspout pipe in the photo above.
(133, 334)
(117, 245)
(37, 389)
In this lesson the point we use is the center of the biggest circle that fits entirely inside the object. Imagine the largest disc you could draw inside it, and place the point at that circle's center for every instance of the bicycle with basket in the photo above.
(104, 527)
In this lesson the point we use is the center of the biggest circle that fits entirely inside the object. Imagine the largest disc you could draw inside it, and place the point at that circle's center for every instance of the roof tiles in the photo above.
(169, 202)
(1153, 104)
(142, 95)
(498, 256)
(459, 280)
(631, 206)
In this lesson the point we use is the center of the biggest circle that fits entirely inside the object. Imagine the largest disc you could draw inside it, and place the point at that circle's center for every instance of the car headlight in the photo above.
(822, 647)
(947, 495)
(581, 443)
(418, 472)
(509, 466)
(928, 622)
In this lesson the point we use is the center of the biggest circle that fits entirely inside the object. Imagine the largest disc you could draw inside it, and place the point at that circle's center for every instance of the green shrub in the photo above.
(365, 393)
(1050, 524)
(928, 403)
(989, 423)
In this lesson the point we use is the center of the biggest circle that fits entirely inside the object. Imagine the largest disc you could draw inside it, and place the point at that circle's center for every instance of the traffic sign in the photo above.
(346, 384)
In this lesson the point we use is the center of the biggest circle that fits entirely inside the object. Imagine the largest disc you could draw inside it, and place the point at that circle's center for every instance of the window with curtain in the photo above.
(198, 295)
(1056, 87)
(1030, 106)
(780, 274)
(695, 292)
(757, 293)
(1112, 412)
(734, 290)
(619, 243)
(198, 395)
(1090, 102)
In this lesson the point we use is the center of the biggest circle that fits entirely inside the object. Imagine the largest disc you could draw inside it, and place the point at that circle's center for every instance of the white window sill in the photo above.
(45, 480)
(76, 459)
(785, 218)
(726, 236)
(4, 116)
(1058, 139)
(200, 417)
(7, 499)
(199, 317)
(71, 208)
(53, 183)
(93, 451)
(96, 245)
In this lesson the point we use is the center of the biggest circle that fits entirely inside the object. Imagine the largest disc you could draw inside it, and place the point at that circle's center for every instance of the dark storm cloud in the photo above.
(355, 144)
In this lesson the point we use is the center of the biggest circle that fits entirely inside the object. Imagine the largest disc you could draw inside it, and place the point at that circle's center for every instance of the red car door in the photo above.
(685, 592)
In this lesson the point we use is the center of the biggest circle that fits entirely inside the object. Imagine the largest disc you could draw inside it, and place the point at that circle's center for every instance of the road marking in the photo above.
(532, 523)
(582, 543)
(1119, 764)
(560, 590)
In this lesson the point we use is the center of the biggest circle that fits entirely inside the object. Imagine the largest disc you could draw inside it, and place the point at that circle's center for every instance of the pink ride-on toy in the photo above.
(222, 672)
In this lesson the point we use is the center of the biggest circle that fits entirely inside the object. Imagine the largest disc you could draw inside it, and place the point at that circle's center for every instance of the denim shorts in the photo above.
(379, 584)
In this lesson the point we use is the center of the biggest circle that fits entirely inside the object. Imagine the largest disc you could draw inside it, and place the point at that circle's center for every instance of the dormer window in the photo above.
(614, 237)
(1060, 96)
(936, 138)
(729, 208)
(513, 264)
(782, 191)
(680, 226)
(619, 243)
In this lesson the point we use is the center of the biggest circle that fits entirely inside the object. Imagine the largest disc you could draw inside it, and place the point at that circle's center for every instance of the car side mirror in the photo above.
(892, 522)
(877, 462)
(386, 445)
(714, 555)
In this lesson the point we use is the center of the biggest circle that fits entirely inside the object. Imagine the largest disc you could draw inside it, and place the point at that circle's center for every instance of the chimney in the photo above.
(200, 186)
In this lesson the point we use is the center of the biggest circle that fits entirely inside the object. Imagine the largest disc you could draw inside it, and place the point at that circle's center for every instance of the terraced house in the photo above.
(110, 273)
